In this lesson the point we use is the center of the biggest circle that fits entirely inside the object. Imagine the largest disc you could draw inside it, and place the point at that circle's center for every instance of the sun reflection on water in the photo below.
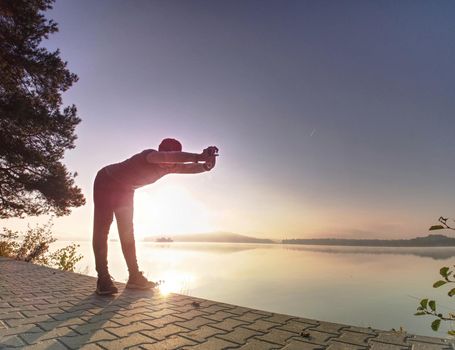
(176, 282)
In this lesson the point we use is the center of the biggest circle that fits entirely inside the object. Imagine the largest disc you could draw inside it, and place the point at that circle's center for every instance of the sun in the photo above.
(169, 209)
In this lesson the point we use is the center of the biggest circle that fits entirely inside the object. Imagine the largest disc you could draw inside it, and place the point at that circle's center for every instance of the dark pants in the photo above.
(111, 198)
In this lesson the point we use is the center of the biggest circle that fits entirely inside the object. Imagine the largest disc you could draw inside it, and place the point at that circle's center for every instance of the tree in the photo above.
(428, 307)
(35, 129)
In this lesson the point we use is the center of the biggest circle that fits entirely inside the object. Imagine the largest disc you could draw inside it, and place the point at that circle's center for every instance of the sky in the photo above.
(333, 118)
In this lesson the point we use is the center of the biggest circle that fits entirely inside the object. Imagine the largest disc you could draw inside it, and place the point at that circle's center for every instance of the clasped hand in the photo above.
(209, 156)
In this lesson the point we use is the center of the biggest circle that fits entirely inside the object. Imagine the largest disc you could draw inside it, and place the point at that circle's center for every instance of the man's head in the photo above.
(170, 145)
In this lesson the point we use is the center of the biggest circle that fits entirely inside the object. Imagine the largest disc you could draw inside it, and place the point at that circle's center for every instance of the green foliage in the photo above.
(35, 129)
(66, 258)
(439, 283)
(435, 324)
(445, 271)
(428, 307)
(8, 243)
(34, 247)
(35, 244)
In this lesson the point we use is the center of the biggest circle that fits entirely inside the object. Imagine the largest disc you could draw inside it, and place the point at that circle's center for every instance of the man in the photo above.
(113, 194)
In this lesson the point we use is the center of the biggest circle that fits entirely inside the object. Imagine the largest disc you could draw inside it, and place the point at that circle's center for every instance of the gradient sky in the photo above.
(333, 118)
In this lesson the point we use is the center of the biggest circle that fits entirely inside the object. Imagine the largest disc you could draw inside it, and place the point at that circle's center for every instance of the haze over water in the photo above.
(377, 287)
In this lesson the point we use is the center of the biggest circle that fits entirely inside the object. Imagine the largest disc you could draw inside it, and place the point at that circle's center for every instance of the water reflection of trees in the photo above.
(436, 253)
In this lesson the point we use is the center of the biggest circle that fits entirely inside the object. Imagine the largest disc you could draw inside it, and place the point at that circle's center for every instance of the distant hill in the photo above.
(428, 241)
(219, 237)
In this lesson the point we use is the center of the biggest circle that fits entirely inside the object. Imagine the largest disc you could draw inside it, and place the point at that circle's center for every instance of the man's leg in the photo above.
(124, 217)
(102, 220)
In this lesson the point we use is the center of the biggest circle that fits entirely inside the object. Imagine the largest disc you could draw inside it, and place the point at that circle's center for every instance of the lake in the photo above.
(364, 286)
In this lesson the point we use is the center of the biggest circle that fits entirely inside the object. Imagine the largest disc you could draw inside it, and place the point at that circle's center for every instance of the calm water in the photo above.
(377, 287)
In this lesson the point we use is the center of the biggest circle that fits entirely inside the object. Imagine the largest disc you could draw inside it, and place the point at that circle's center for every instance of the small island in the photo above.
(164, 240)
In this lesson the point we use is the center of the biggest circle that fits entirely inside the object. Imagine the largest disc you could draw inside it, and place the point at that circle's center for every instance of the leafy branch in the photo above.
(444, 225)
(428, 307)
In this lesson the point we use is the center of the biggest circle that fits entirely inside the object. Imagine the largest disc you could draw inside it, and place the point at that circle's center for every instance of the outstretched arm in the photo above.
(173, 157)
(191, 168)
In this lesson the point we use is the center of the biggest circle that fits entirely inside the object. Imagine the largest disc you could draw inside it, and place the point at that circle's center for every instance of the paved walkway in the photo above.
(42, 308)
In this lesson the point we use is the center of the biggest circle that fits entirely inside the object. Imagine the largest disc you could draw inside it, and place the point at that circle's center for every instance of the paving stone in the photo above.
(92, 346)
(184, 308)
(395, 338)
(11, 340)
(261, 325)
(34, 302)
(360, 330)
(239, 335)
(298, 345)
(238, 310)
(11, 316)
(132, 312)
(87, 328)
(51, 344)
(276, 336)
(383, 346)
(189, 315)
(160, 313)
(98, 336)
(214, 344)
(181, 301)
(355, 338)
(12, 309)
(33, 338)
(174, 342)
(431, 340)
(139, 304)
(48, 311)
(62, 305)
(69, 315)
(334, 345)
(27, 321)
(123, 343)
(428, 346)
(48, 325)
(219, 316)
(125, 321)
(124, 331)
(162, 321)
(163, 333)
(249, 317)
(203, 333)
(278, 318)
(228, 324)
(19, 330)
(255, 344)
(195, 323)
(161, 305)
(214, 308)
(329, 327)
(294, 326)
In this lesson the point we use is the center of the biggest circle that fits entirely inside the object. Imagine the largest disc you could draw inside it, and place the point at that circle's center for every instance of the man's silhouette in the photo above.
(113, 194)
